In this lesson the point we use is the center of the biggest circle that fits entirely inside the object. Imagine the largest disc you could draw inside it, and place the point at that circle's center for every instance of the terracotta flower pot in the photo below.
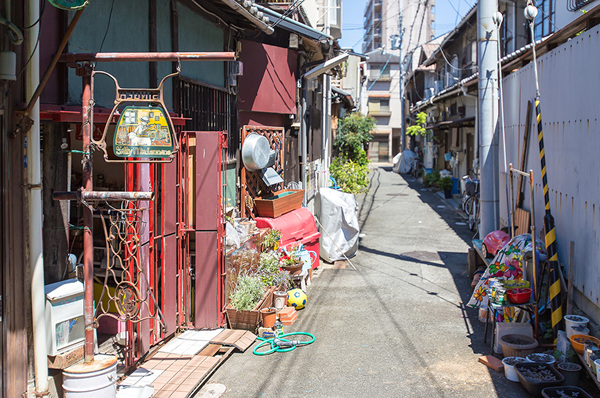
(295, 269)
(269, 316)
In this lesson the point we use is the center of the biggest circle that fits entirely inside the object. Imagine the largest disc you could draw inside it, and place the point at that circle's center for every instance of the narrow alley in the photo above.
(392, 323)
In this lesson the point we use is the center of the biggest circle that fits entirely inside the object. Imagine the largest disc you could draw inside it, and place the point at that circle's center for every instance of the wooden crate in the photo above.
(249, 319)
(282, 202)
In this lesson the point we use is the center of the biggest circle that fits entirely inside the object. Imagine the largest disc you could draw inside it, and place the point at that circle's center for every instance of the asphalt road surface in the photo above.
(391, 324)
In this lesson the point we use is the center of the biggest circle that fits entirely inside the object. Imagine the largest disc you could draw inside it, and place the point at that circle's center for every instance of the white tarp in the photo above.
(404, 161)
(337, 213)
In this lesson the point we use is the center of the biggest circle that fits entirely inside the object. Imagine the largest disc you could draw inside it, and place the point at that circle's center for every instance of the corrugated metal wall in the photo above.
(570, 87)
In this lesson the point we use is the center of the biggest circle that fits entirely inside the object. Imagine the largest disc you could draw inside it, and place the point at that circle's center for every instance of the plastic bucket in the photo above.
(574, 320)
(94, 380)
(509, 367)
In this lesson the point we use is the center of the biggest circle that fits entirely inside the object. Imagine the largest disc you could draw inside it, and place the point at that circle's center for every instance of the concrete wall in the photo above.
(569, 87)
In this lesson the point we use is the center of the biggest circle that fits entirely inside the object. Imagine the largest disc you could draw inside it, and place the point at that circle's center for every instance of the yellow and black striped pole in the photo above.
(552, 253)
(554, 276)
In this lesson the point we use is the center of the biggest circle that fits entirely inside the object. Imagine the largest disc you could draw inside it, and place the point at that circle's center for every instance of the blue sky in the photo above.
(447, 14)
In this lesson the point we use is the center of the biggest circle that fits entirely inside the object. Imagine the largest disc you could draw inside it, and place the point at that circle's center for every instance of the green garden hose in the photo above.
(279, 344)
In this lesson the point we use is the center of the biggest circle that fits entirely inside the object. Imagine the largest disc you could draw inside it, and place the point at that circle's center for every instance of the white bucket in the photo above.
(509, 370)
(93, 380)
(574, 320)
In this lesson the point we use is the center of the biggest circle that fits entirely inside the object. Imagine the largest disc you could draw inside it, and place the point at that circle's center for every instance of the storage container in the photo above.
(64, 316)
(297, 227)
(280, 203)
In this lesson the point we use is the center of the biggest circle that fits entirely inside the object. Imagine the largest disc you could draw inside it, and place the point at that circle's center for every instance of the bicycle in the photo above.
(470, 203)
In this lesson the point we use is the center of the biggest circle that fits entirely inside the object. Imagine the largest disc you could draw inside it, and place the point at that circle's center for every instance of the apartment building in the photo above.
(391, 25)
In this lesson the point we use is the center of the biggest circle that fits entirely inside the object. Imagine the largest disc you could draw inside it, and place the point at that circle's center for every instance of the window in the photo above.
(544, 21)
(380, 72)
(379, 106)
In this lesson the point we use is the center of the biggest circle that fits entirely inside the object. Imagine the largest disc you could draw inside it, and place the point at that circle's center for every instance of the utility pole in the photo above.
(401, 60)
(487, 54)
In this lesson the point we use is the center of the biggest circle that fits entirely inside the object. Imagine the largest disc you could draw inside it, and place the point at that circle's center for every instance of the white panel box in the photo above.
(64, 316)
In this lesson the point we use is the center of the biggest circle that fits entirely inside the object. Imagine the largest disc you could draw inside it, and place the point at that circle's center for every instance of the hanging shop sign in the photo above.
(144, 132)
(69, 5)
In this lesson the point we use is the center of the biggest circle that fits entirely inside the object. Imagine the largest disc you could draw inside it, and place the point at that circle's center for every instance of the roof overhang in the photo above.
(289, 24)
(251, 13)
(344, 95)
(325, 67)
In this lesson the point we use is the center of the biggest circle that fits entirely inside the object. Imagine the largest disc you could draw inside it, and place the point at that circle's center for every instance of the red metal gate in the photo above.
(202, 228)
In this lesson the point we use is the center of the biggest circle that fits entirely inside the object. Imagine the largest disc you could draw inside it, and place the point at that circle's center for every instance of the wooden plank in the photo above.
(210, 350)
(492, 362)
(522, 221)
(524, 149)
(65, 360)
(471, 262)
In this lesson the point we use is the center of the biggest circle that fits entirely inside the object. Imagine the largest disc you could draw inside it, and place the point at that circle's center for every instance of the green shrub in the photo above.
(353, 134)
(248, 292)
(350, 176)
(445, 183)
(432, 178)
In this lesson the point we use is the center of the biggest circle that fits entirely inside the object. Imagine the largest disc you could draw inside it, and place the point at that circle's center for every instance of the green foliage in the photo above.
(419, 127)
(350, 176)
(248, 292)
(270, 239)
(445, 183)
(432, 178)
(353, 134)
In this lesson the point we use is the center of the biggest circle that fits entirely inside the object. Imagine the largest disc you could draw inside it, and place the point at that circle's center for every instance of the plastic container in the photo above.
(553, 392)
(297, 227)
(570, 372)
(97, 379)
(574, 320)
(535, 387)
(514, 345)
(509, 367)
(578, 341)
(541, 358)
(519, 296)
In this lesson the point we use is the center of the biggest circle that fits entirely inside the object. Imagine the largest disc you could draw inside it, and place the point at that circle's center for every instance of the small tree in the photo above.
(354, 132)
(350, 168)
(419, 127)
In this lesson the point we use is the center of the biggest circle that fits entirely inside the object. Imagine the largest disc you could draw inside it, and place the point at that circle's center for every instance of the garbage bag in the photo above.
(338, 216)
(408, 160)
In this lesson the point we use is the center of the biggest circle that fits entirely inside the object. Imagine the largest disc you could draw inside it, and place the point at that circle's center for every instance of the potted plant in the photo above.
(246, 300)
(445, 184)
(270, 240)
(291, 263)
(431, 178)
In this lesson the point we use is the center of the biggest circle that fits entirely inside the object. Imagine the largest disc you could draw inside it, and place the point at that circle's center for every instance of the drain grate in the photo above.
(421, 256)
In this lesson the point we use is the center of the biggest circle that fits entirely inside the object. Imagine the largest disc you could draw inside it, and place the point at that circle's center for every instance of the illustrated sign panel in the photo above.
(143, 132)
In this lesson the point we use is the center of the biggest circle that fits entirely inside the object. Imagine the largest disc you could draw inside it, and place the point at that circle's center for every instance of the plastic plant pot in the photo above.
(534, 377)
(541, 358)
(570, 372)
(509, 367)
(564, 392)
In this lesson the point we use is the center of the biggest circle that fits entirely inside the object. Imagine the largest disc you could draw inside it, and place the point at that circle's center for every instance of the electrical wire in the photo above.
(39, 18)
(107, 25)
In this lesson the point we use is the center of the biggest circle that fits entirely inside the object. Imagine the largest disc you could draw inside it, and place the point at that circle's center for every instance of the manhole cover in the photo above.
(397, 194)
(422, 256)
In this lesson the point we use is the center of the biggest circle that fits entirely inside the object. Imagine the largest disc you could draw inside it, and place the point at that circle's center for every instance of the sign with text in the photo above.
(143, 132)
